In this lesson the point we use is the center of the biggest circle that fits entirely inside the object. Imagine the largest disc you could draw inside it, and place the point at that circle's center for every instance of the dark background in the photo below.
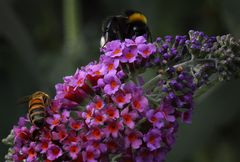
(41, 41)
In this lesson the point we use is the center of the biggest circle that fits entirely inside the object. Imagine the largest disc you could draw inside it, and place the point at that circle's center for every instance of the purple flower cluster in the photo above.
(106, 111)
(200, 42)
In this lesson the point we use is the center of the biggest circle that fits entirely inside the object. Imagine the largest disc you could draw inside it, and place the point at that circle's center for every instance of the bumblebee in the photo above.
(130, 24)
(37, 104)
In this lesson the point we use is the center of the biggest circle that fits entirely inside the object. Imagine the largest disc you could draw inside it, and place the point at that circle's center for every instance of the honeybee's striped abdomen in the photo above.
(37, 111)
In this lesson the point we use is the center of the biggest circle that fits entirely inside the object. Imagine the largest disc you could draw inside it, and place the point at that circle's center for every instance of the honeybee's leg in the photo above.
(29, 117)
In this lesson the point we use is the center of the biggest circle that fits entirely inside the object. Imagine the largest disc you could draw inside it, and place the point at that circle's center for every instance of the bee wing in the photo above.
(23, 100)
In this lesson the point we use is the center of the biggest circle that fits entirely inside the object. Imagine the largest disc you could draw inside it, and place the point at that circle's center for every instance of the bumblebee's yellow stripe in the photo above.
(137, 17)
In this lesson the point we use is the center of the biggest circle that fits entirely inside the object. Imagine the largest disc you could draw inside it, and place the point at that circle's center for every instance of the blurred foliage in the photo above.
(41, 41)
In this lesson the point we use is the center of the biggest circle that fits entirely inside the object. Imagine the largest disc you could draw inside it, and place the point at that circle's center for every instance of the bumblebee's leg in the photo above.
(106, 26)
(102, 41)
(112, 31)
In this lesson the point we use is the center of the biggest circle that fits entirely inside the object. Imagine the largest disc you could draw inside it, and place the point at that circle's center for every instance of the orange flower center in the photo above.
(120, 99)
(132, 137)
(55, 151)
(110, 113)
(112, 127)
(99, 119)
(110, 67)
(97, 73)
(31, 152)
(152, 139)
(116, 51)
(73, 149)
(129, 55)
(80, 81)
(76, 125)
(146, 51)
(113, 84)
(96, 133)
(127, 118)
(154, 119)
(44, 145)
(72, 139)
(89, 114)
(99, 104)
(90, 155)
(55, 122)
(136, 104)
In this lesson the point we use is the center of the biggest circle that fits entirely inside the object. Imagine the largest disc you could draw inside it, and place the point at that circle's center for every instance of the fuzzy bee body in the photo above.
(38, 102)
(132, 23)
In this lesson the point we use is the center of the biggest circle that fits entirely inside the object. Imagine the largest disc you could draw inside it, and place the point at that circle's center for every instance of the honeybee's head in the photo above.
(42, 96)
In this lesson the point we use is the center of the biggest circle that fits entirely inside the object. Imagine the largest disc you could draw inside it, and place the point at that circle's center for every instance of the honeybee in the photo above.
(37, 104)
(131, 23)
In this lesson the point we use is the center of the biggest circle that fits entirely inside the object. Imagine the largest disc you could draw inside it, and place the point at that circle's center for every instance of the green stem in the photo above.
(70, 21)
(114, 159)
(74, 43)
(151, 82)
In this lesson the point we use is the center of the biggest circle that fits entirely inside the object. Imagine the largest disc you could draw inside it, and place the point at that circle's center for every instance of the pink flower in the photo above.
(98, 119)
(129, 117)
(98, 145)
(21, 134)
(77, 80)
(110, 65)
(112, 112)
(112, 84)
(153, 139)
(144, 155)
(73, 150)
(30, 152)
(168, 111)
(72, 137)
(113, 128)
(156, 118)
(146, 49)
(140, 103)
(96, 133)
(114, 48)
(99, 103)
(54, 152)
(129, 55)
(96, 70)
(140, 40)
(43, 146)
(75, 124)
(60, 133)
(121, 99)
(88, 113)
(133, 139)
(90, 154)
(54, 121)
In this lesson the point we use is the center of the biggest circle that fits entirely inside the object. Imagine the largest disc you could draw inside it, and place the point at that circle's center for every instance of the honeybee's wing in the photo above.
(24, 100)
